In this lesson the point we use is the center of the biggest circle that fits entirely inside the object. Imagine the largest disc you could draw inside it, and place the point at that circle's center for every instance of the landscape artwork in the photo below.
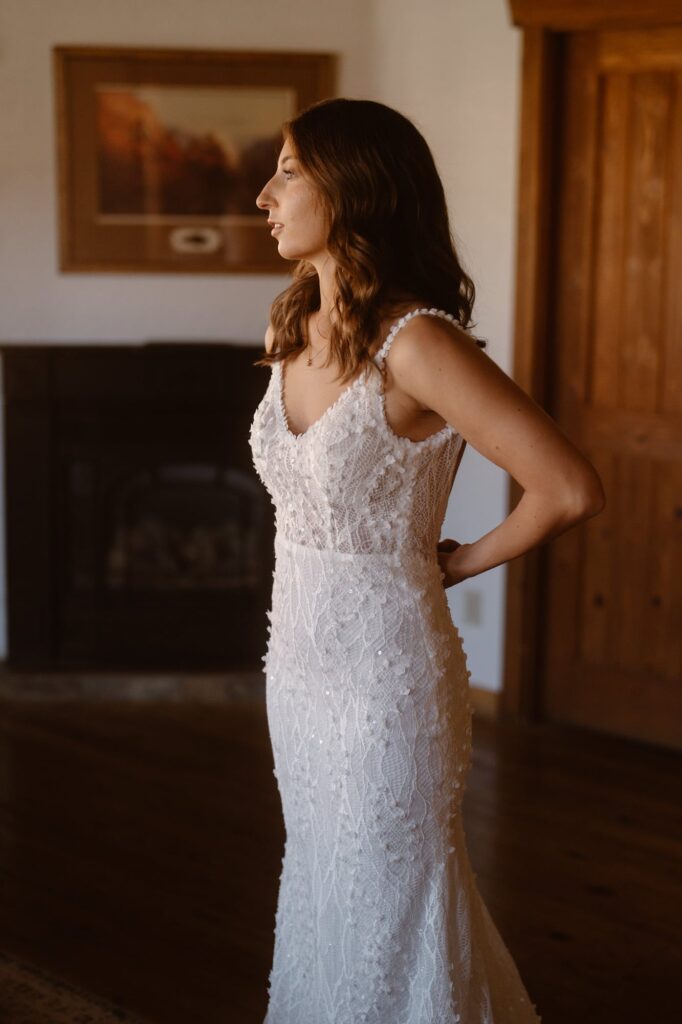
(162, 153)
(166, 151)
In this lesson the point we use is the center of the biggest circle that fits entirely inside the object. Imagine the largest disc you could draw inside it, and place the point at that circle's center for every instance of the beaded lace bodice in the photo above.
(349, 483)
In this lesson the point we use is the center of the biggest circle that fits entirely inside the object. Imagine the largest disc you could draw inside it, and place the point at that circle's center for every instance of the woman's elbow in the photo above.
(589, 497)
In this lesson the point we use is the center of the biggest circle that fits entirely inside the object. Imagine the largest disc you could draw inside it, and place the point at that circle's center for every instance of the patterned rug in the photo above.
(28, 995)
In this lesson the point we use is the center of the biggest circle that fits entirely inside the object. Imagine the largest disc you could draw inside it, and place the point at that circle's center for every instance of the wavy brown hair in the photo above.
(389, 232)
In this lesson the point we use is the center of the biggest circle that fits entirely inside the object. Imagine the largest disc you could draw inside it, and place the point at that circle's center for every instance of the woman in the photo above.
(379, 918)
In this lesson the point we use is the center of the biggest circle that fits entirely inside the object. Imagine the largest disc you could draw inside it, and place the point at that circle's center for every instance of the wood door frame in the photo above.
(545, 25)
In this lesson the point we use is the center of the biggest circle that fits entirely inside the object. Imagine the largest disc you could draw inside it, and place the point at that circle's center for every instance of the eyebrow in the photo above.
(288, 158)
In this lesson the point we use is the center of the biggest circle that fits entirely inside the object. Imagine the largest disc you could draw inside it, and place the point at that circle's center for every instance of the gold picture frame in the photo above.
(162, 152)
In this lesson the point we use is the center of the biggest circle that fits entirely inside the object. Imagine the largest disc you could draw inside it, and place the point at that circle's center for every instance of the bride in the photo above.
(376, 385)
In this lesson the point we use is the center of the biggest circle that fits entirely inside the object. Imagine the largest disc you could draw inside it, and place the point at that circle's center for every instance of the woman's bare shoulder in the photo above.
(269, 338)
(438, 365)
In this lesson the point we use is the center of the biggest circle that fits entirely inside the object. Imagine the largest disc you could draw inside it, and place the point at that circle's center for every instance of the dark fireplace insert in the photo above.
(138, 535)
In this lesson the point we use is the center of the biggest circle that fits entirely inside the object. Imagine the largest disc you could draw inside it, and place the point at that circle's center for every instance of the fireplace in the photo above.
(138, 533)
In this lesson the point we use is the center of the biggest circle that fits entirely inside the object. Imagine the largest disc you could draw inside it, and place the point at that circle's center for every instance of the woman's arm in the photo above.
(441, 368)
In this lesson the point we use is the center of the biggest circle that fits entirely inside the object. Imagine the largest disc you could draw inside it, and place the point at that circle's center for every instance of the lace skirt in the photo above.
(378, 918)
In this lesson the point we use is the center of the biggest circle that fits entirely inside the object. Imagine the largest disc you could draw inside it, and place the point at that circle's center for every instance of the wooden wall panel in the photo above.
(574, 15)
(671, 385)
(610, 238)
(593, 619)
(612, 654)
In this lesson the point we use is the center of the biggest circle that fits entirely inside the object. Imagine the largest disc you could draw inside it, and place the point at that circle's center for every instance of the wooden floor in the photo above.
(141, 844)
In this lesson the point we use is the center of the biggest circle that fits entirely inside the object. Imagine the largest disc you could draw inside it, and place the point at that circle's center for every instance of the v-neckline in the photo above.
(376, 359)
(314, 424)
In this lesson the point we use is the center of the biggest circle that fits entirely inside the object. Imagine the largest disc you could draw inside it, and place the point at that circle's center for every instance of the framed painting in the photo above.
(161, 154)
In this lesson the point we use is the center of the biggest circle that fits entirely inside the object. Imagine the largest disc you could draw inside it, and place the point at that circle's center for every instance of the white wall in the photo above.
(450, 65)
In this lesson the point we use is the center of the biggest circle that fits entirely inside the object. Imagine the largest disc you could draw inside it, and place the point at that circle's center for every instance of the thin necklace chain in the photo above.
(312, 354)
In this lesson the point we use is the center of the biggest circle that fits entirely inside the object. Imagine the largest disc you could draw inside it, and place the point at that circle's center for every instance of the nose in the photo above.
(263, 200)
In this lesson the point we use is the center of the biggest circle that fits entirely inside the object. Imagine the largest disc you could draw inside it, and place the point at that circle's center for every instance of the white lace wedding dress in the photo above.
(379, 919)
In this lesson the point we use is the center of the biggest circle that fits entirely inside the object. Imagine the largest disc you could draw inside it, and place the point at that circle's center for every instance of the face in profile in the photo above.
(295, 210)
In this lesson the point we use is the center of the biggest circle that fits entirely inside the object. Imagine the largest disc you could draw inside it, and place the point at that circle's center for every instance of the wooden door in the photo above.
(613, 627)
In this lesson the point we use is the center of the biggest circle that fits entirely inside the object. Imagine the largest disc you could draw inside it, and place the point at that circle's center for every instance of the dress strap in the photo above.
(383, 351)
